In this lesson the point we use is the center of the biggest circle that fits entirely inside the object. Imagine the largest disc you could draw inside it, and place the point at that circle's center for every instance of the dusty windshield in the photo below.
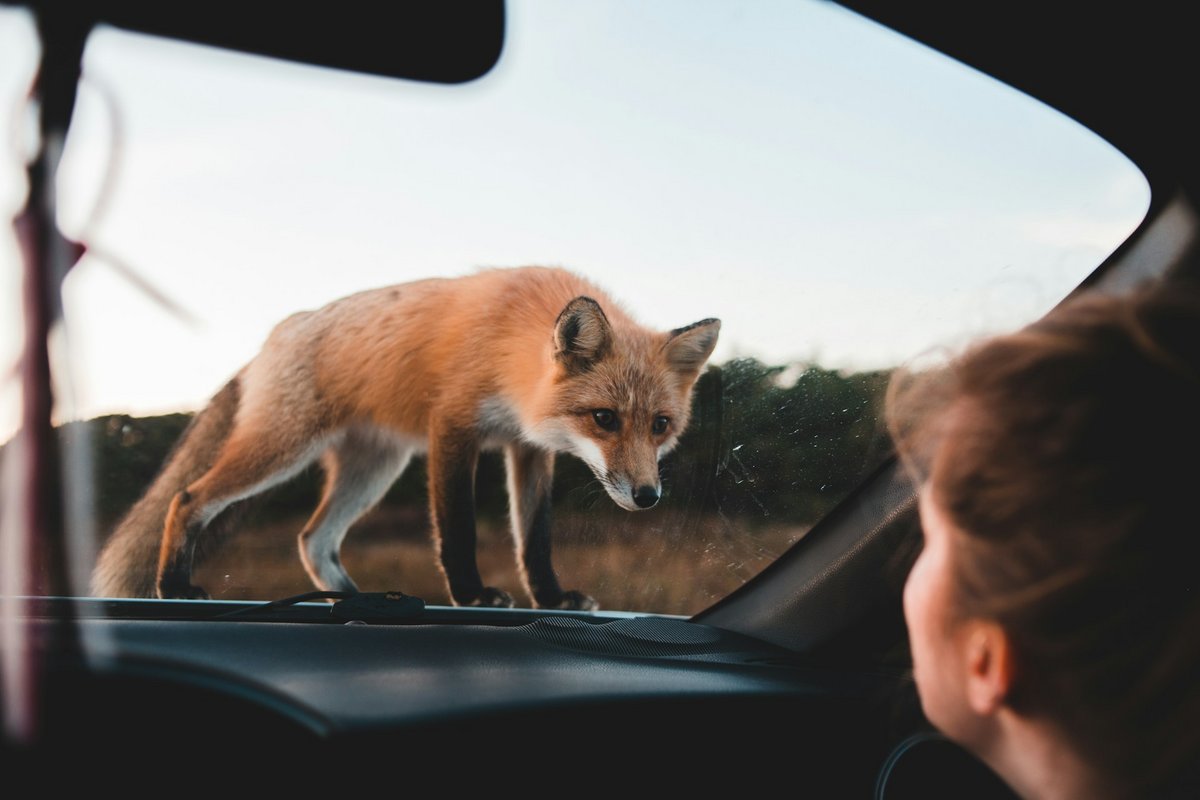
(839, 198)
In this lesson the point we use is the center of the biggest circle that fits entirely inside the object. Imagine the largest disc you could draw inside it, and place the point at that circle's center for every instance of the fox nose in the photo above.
(645, 496)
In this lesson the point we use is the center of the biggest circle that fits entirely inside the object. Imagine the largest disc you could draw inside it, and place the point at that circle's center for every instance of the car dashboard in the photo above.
(656, 690)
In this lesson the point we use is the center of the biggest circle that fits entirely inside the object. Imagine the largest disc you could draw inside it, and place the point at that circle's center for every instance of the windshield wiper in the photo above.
(350, 606)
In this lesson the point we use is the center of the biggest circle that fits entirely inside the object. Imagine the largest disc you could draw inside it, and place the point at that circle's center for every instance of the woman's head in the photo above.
(1058, 466)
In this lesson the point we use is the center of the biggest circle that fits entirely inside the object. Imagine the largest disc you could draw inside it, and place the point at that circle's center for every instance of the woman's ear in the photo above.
(991, 666)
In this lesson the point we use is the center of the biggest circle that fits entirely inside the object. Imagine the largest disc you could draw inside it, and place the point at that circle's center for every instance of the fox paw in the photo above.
(576, 601)
(491, 597)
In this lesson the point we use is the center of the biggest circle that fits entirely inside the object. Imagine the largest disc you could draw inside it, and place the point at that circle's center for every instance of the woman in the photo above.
(1054, 611)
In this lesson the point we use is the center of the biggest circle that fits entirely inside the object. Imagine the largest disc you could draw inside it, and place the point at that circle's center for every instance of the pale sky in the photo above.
(832, 192)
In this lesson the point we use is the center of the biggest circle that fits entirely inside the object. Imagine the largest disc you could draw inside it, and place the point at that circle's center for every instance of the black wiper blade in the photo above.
(350, 606)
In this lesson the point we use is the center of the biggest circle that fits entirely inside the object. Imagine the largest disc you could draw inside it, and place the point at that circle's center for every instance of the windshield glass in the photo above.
(842, 199)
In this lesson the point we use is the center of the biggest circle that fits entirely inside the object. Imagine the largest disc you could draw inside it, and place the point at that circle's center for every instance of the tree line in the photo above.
(767, 443)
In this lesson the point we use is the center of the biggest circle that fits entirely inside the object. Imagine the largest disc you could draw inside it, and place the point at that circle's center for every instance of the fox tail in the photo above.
(128, 563)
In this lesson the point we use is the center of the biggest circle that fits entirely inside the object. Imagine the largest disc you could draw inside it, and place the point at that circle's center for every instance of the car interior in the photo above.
(796, 678)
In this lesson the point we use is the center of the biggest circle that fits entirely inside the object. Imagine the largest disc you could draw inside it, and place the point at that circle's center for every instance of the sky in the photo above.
(833, 192)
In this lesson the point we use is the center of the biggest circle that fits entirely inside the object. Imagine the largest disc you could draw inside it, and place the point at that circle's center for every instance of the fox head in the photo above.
(622, 395)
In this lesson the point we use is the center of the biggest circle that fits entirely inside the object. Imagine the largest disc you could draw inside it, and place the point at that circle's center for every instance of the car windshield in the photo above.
(843, 199)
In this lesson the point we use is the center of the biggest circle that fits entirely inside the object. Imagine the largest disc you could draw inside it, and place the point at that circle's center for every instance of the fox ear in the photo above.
(689, 347)
(581, 334)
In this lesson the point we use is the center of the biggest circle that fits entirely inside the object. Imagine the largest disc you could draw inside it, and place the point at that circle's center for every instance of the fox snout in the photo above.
(645, 496)
(631, 494)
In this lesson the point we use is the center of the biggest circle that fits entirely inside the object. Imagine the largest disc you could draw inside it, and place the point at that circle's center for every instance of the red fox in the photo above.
(533, 360)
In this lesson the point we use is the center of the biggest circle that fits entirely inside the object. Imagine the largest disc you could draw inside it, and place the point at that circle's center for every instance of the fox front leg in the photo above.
(452, 462)
(530, 476)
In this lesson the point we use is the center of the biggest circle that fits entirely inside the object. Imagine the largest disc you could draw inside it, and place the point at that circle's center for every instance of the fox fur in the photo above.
(532, 360)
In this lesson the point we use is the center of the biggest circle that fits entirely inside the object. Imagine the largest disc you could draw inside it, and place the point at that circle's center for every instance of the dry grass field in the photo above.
(656, 561)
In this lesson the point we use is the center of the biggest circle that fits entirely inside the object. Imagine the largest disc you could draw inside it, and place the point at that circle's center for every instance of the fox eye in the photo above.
(606, 418)
(660, 425)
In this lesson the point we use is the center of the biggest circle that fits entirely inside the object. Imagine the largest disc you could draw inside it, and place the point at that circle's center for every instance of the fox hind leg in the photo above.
(245, 466)
(359, 469)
